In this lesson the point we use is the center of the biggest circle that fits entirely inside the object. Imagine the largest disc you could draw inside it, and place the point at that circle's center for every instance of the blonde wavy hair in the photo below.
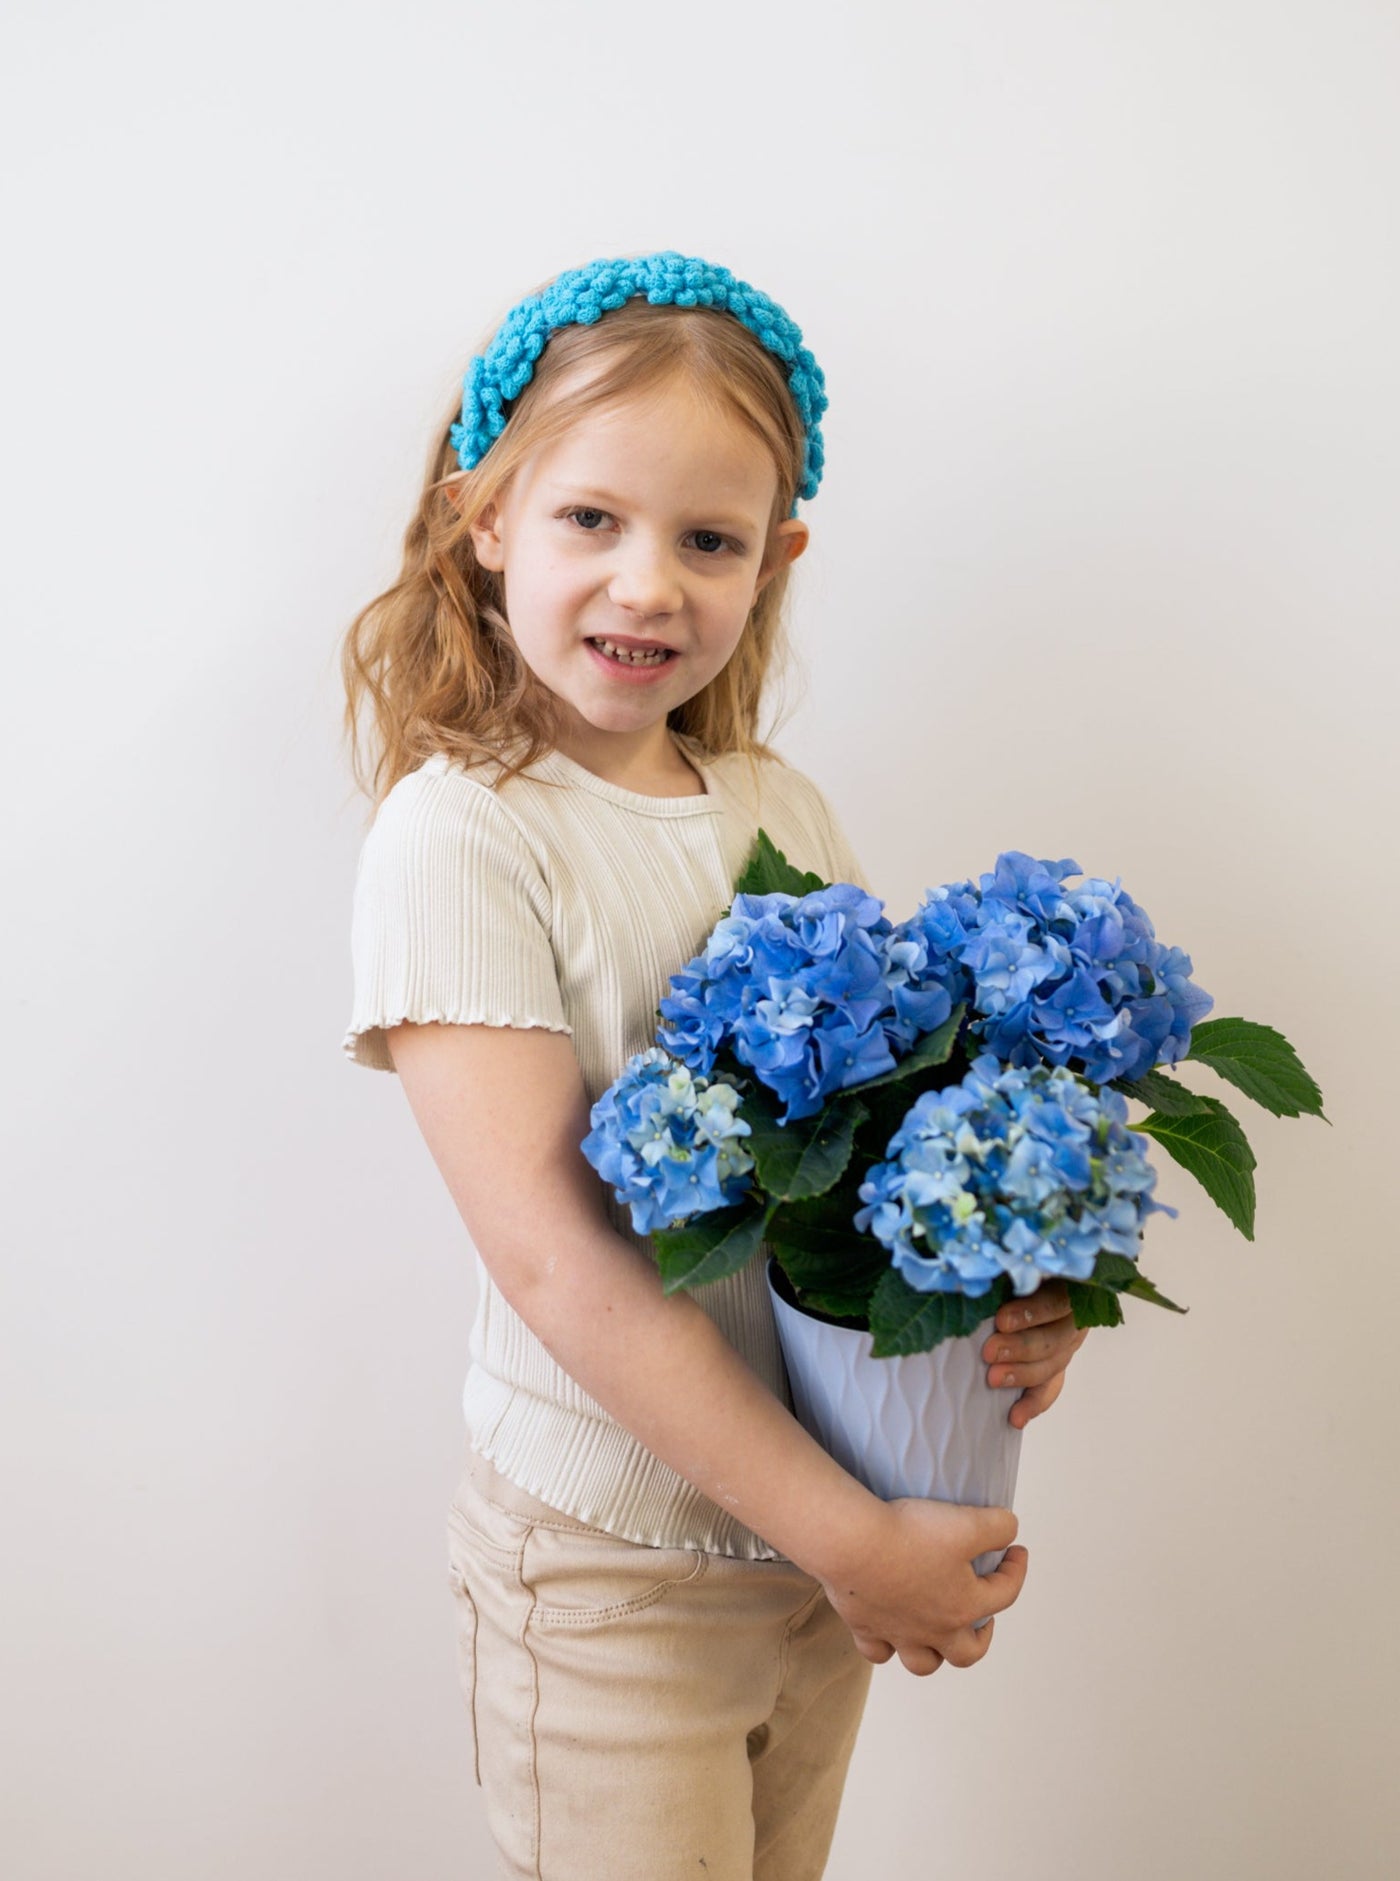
(431, 661)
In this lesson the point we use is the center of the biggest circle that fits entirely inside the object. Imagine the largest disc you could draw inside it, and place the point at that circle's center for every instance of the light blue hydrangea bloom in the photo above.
(1017, 1171)
(1059, 975)
(813, 992)
(668, 1142)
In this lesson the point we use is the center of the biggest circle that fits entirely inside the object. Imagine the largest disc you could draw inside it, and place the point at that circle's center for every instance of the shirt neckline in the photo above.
(569, 771)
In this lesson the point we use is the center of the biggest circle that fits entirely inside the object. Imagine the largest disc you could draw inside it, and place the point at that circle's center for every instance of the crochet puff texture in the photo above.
(580, 296)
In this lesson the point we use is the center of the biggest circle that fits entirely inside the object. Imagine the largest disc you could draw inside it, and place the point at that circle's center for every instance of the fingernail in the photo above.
(1004, 1352)
(1008, 1378)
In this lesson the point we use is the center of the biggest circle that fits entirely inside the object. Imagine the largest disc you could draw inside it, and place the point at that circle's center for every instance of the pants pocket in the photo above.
(587, 1578)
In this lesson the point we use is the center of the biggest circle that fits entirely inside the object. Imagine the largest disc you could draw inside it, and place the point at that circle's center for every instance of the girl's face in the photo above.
(631, 551)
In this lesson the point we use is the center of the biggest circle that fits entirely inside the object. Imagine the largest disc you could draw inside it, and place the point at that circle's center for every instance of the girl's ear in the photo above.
(790, 539)
(485, 531)
(486, 540)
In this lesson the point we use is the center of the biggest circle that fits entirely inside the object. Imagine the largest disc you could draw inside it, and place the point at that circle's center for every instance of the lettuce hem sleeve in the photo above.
(451, 918)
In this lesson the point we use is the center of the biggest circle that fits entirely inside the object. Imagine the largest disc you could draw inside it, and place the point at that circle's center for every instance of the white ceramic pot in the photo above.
(927, 1424)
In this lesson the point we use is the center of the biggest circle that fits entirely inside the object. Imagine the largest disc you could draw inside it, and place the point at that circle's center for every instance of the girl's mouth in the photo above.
(633, 658)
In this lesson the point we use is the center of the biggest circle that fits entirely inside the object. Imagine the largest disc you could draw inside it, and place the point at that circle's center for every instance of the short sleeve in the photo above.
(450, 920)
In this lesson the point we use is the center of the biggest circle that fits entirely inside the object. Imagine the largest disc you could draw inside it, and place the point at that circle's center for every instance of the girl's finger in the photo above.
(1019, 1348)
(1032, 1403)
(1056, 1343)
(920, 1660)
(877, 1651)
(1026, 1377)
(1049, 1301)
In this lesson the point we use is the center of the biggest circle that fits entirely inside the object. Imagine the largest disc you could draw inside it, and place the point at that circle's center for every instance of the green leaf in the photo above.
(817, 1245)
(829, 1263)
(846, 1303)
(1142, 1289)
(932, 1049)
(823, 1224)
(1164, 1095)
(1258, 1061)
(1112, 1270)
(903, 1320)
(709, 1248)
(841, 1295)
(1094, 1306)
(767, 871)
(1115, 1273)
(1213, 1148)
(805, 1157)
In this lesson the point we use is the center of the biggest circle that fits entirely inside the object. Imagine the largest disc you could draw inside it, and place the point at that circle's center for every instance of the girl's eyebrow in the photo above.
(604, 499)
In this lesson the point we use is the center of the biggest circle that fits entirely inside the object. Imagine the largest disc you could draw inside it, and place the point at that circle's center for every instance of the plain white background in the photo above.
(1105, 565)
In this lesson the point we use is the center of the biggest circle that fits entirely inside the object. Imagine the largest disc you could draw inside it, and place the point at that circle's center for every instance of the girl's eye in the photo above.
(709, 542)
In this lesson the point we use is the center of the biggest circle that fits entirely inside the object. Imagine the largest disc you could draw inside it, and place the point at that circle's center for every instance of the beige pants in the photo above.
(645, 1713)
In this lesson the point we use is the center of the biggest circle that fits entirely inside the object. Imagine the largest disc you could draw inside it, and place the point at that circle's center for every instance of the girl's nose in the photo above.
(646, 581)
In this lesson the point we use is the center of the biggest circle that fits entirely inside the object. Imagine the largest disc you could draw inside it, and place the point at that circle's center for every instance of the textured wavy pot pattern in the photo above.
(927, 1424)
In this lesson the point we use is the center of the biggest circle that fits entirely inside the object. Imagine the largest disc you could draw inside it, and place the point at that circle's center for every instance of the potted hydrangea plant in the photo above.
(919, 1121)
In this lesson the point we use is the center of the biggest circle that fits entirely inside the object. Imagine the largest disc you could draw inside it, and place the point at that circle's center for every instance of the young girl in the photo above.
(668, 1596)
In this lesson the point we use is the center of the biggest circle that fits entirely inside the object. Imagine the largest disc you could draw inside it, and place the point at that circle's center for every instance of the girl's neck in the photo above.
(652, 764)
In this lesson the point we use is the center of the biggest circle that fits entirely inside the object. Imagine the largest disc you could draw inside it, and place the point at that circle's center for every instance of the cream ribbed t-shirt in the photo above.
(557, 899)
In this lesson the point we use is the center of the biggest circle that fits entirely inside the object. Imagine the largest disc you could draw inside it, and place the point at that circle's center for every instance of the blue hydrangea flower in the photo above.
(813, 992)
(1059, 975)
(1017, 1171)
(668, 1141)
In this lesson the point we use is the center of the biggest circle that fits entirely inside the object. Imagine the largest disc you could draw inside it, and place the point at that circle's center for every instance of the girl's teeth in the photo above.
(632, 656)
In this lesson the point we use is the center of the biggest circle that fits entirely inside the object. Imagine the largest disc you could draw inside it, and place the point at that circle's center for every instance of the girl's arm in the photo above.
(503, 1111)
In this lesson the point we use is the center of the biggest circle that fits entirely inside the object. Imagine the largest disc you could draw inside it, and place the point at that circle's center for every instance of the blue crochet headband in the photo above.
(580, 296)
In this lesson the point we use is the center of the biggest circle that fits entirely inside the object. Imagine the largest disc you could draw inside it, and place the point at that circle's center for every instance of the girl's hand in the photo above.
(1035, 1340)
(908, 1586)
